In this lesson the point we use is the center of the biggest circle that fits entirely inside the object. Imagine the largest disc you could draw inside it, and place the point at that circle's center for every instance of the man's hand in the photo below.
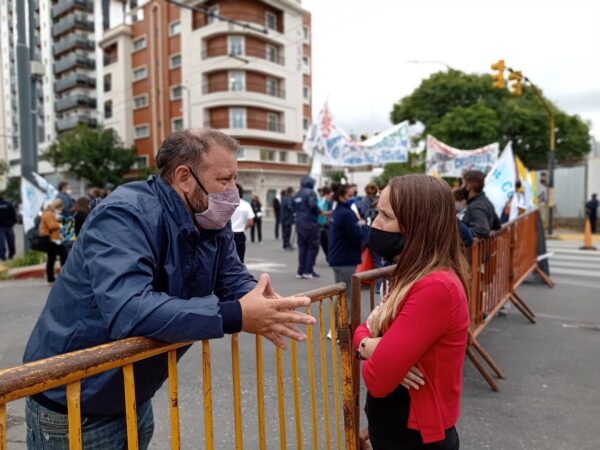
(414, 379)
(267, 314)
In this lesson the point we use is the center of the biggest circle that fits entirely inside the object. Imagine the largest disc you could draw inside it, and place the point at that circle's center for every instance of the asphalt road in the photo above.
(550, 399)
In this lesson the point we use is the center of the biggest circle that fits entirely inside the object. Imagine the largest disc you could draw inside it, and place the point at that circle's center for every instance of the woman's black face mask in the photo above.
(385, 243)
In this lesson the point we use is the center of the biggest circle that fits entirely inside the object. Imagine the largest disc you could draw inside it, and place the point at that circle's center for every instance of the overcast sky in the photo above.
(361, 49)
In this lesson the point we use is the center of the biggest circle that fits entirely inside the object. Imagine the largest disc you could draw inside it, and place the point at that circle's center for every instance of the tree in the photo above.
(415, 164)
(464, 111)
(97, 155)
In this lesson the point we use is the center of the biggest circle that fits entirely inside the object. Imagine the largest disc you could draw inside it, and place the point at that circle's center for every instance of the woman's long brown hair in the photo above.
(424, 208)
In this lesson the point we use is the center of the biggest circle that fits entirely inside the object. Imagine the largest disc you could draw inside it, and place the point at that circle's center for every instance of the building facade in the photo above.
(172, 67)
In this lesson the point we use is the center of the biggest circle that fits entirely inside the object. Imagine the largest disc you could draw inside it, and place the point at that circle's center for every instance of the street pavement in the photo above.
(549, 400)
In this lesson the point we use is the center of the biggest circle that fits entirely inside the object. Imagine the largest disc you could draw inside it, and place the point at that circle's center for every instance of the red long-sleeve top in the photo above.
(430, 331)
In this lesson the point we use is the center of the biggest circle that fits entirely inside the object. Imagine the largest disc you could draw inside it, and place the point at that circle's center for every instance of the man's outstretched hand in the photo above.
(272, 316)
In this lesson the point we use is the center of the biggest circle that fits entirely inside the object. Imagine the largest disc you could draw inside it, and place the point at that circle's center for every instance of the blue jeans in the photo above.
(7, 235)
(48, 430)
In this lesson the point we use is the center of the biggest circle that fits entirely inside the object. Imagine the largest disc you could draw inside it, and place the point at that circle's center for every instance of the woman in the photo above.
(414, 343)
(257, 208)
(346, 234)
(80, 209)
(50, 228)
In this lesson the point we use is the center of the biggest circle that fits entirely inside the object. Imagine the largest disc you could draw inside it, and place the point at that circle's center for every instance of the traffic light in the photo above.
(498, 78)
(544, 178)
(517, 85)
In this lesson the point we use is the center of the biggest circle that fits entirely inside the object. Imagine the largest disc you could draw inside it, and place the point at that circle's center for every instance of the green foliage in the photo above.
(12, 192)
(415, 164)
(29, 258)
(96, 155)
(336, 176)
(464, 111)
(3, 167)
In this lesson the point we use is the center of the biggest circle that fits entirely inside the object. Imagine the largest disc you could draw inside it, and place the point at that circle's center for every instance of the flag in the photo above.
(33, 201)
(500, 181)
(48, 190)
(441, 160)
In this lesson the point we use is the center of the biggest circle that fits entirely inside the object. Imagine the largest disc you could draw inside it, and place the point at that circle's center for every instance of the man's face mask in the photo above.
(221, 206)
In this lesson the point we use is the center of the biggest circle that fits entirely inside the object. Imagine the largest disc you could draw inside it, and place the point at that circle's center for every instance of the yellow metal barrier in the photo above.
(69, 369)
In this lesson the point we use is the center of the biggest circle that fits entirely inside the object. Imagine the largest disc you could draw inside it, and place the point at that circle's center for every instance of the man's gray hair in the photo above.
(186, 147)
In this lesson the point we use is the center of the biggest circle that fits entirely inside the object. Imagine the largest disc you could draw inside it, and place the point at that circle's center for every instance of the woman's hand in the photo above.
(414, 379)
(367, 347)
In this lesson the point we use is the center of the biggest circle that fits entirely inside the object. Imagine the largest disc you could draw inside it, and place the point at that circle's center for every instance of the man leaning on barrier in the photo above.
(156, 259)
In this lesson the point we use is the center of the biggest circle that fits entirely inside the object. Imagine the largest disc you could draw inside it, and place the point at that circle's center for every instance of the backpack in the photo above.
(67, 229)
(36, 241)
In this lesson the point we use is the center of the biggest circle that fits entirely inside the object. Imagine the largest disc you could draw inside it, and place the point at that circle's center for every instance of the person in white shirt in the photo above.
(242, 218)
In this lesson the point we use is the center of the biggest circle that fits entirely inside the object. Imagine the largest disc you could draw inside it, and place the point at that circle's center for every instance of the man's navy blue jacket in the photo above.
(139, 268)
(305, 202)
(287, 210)
(345, 237)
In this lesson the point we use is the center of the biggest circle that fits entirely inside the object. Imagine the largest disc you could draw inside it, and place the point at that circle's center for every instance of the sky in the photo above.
(361, 51)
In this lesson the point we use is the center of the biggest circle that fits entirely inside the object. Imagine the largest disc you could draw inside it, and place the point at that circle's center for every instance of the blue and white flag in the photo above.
(501, 179)
(49, 191)
(33, 201)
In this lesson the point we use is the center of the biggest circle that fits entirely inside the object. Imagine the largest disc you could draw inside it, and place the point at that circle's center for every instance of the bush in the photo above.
(29, 258)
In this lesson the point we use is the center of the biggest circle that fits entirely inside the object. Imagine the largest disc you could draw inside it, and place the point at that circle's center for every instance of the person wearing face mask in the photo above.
(156, 258)
(413, 344)
(480, 216)
(49, 228)
(64, 195)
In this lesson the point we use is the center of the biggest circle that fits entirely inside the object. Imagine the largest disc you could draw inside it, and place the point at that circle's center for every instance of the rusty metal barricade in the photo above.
(69, 369)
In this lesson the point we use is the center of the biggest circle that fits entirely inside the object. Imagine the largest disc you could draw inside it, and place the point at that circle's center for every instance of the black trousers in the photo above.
(308, 246)
(286, 235)
(240, 244)
(277, 223)
(593, 223)
(325, 239)
(382, 440)
(258, 227)
(53, 250)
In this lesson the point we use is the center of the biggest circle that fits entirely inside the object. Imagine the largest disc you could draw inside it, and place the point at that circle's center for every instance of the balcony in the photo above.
(74, 80)
(64, 6)
(71, 122)
(260, 88)
(74, 101)
(252, 51)
(72, 61)
(72, 22)
(251, 124)
(71, 42)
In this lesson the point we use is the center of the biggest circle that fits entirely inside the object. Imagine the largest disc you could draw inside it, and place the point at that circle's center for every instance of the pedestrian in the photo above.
(64, 194)
(591, 211)
(307, 211)
(346, 237)
(8, 218)
(80, 211)
(413, 344)
(276, 204)
(287, 217)
(258, 213)
(367, 207)
(158, 260)
(480, 216)
(49, 228)
(325, 204)
(242, 218)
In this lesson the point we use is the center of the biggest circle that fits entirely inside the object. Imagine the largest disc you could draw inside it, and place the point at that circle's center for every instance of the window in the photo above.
(302, 158)
(108, 112)
(273, 122)
(139, 43)
(271, 21)
(305, 63)
(306, 33)
(213, 12)
(177, 124)
(174, 28)
(107, 82)
(141, 101)
(235, 45)
(140, 73)
(141, 162)
(237, 118)
(305, 123)
(237, 80)
(241, 153)
(142, 131)
(272, 87)
(282, 157)
(271, 53)
(267, 155)
(305, 93)
(176, 92)
(175, 61)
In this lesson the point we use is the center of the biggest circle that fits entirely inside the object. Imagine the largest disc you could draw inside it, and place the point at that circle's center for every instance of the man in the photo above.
(307, 211)
(287, 217)
(591, 210)
(8, 218)
(276, 204)
(242, 218)
(480, 216)
(64, 194)
(156, 258)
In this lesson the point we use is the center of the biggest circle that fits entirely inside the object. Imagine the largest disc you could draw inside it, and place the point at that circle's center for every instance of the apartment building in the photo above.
(171, 67)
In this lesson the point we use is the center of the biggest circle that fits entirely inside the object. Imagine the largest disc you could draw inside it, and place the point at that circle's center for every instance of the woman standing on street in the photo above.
(414, 343)
(50, 228)
(257, 208)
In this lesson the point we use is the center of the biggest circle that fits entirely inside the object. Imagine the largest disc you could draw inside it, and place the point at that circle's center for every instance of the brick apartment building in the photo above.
(168, 67)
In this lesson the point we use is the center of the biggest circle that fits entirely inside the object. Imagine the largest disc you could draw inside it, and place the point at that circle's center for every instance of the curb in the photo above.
(23, 273)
